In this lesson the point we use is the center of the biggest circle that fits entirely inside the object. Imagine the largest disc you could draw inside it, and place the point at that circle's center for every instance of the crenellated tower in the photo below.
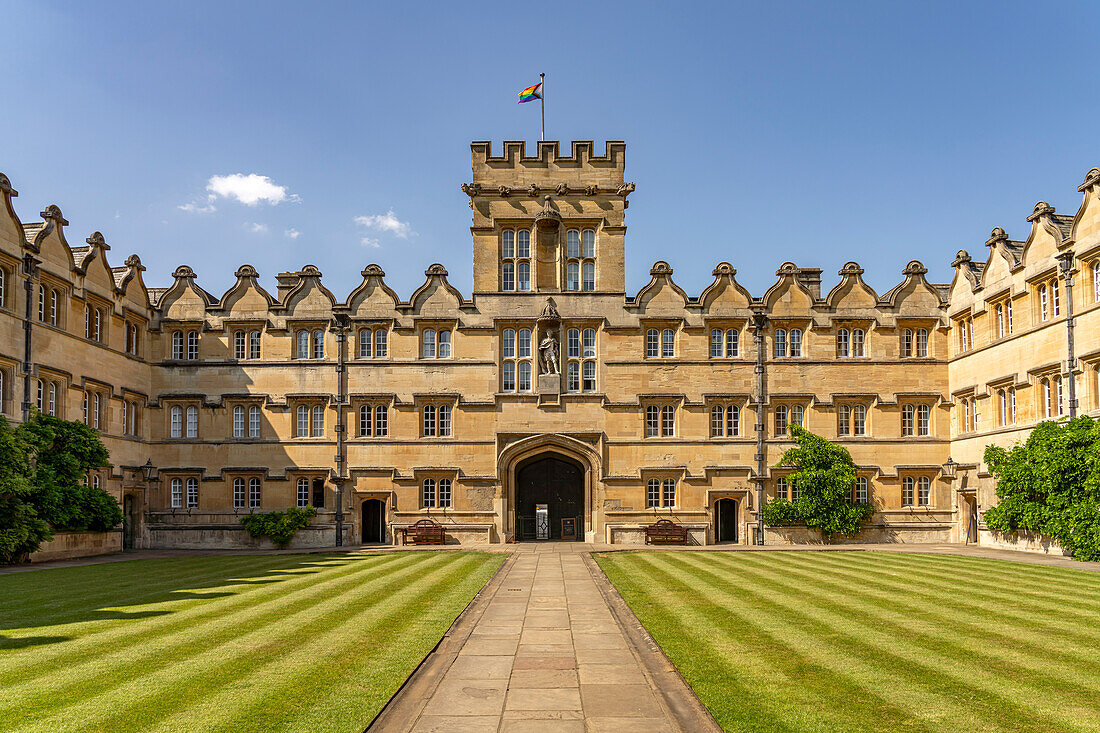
(548, 223)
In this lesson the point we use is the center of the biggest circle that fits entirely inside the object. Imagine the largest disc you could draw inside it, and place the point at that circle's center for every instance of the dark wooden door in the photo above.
(128, 523)
(559, 484)
(725, 520)
(374, 528)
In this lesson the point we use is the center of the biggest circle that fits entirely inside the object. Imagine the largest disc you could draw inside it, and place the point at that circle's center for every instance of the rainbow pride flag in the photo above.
(530, 94)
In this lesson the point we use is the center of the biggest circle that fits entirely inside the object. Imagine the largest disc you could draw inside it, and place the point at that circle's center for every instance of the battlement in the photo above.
(515, 168)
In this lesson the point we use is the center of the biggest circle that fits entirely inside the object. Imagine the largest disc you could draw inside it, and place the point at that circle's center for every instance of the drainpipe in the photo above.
(341, 429)
(30, 269)
(1065, 262)
(759, 321)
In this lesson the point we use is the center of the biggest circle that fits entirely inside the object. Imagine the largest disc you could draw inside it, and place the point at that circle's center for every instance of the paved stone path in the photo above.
(546, 655)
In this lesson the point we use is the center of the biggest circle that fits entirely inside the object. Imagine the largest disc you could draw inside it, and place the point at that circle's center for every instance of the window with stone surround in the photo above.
(373, 342)
(435, 493)
(916, 491)
(373, 421)
(860, 491)
(724, 343)
(517, 362)
(435, 343)
(580, 350)
(850, 343)
(515, 260)
(580, 259)
(660, 421)
(725, 421)
(435, 421)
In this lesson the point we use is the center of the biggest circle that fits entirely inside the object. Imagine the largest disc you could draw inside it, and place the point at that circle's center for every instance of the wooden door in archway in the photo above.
(550, 499)
(725, 520)
(374, 522)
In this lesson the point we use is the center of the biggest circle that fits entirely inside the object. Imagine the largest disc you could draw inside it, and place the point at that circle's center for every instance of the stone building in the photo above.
(549, 387)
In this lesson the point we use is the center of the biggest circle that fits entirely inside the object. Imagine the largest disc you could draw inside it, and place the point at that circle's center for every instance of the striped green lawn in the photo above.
(865, 641)
(228, 643)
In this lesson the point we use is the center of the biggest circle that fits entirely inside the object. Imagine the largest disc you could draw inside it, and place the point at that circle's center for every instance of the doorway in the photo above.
(374, 522)
(550, 499)
(725, 520)
(970, 502)
(128, 522)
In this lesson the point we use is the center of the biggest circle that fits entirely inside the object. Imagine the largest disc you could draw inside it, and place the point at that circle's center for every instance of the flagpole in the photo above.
(542, 103)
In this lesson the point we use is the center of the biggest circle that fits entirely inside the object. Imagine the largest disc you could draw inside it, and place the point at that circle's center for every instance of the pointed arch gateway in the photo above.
(549, 482)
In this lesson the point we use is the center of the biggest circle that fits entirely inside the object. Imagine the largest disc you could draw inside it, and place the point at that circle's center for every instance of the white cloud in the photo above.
(256, 227)
(250, 189)
(292, 233)
(387, 222)
(370, 242)
(198, 206)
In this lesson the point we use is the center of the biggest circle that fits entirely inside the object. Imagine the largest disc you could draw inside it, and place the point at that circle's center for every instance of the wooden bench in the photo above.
(666, 532)
(424, 532)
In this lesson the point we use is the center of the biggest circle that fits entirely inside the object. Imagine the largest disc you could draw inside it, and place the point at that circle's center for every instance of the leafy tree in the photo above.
(1050, 484)
(44, 465)
(280, 527)
(824, 476)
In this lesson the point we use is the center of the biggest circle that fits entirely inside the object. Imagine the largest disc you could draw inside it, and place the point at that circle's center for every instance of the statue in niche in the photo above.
(548, 354)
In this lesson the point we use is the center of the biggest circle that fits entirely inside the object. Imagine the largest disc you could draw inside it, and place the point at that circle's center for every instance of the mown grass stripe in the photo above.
(901, 648)
(920, 625)
(195, 651)
(785, 682)
(119, 652)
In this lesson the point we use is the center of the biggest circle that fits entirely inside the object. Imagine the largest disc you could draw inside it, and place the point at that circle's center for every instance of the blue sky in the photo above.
(816, 133)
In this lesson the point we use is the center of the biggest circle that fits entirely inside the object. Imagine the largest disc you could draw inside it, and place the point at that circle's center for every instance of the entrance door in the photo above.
(128, 522)
(971, 503)
(558, 484)
(374, 523)
(725, 520)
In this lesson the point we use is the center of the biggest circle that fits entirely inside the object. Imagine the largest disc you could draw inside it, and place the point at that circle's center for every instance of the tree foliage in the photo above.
(824, 475)
(44, 465)
(279, 527)
(1050, 484)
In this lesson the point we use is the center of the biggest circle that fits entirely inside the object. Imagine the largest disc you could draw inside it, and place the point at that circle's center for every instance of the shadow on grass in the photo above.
(26, 641)
(59, 596)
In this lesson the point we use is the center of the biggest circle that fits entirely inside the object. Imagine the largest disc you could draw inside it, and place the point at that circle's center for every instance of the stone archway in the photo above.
(549, 498)
(563, 448)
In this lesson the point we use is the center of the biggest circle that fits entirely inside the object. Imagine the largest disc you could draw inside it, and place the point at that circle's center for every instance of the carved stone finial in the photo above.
(562, 189)
(660, 268)
(183, 271)
(724, 268)
(625, 190)
(53, 211)
(5, 186)
(1041, 208)
(787, 268)
(505, 191)
(373, 270)
(916, 267)
(549, 312)
(995, 236)
(246, 271)
(436, 270)
(548, 217)
(850, 268)
(1091, 179)
(134, 263)
(310, 271)
(962, 257)
(97, 241)
(471, 189)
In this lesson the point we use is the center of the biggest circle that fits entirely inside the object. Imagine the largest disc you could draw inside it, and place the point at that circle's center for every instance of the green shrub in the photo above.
(824, 476)
(279, 527)
(1050, 484)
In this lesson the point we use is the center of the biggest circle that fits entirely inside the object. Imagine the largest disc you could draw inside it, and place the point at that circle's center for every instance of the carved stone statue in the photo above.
(549, 312)
(548, 354)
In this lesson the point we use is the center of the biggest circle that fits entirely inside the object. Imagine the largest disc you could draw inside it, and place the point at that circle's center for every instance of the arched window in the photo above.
(192, 493)
(444, 421)
(380, 343)
(796, 342)
(859, 420)
(177, 345)
(444, 496)
(302, 345)
(428, 421)
(523, 276)
(908, 418)
(668, 421)
(254, 345)
(42, 303)
(858, 338)
(924, 491)
(508, 376)
(782, 413)
(176, 420)
(780, 343)
(922, 340)
(782, 488)
(192, 422)
(573, 276)
(842, 343)
(653, 493)
(1056, 297)
(192, 345)
(733, 421)
(239, 345)
(318, 422)
(716, 343)
(53, 399)
(365, 343)
(444, 344)
(238, 493)
(365, 413)
(380, 421)
(253, 493)
(732, 338)
(40, 394)
(588, 276)
(238, 421)
(668, 343)
(301, 423)
(97, 401)
(573, 377)
(717, 421)
(53, 307)
(254, 422)
(318, 344)
(668, 493)
(427, 494)
(1043, 312)
(999, 311)
(1095, 283)
(652, 343)
(509, 275)
(525, 376)
(652, 421)
(844, 420)
(428, 349)
(302, 492)
(176, 486)
(923, 414)
(1046, 397)
(907, 486)
(797, 413)
(861, 494)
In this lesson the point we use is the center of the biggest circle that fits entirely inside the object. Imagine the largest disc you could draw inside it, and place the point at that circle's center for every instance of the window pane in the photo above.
(429, 420)
(717, 421)
(524, 350)
(427, 496)
(653, 493)
(668, 340)
(857, 342)
(238, 422)
(508, 243)
(524, 276)
(651, 343)
(509, 277)
(780, 343)
(444, 421)
(572, 243)
(303, 492)
(572, 276)
(444, 493)
(192, 420)
(508, 376)
(589, 343)
(733, 419)
(303, 345)
(301, 428)
(525, 376)
(508, 346)
(444, 344)
(177, 493)
(380, 427)
(796, 342)
(842, 343)
(668, 422)
(573, 340)
(574, 377)
(254, 422)
(365, 343)
(318, 421)
(731, 343)
(318, 344)
(652, 421)
(523, 245)
(590, 376)
(380, 345)
(253, 345)
(588, 280)
(254, 493)
(429, 344)
(715, 344)
(588, 243)
(670, 492)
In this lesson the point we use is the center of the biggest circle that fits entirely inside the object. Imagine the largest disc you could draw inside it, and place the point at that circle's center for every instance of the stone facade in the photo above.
(651, 405)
